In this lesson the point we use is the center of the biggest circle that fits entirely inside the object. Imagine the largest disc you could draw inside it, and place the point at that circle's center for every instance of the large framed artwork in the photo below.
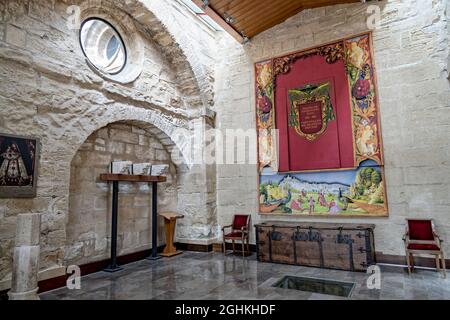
(319, 136)
(18, 166)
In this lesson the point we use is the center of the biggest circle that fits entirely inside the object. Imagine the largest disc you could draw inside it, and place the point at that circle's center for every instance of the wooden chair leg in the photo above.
(243, 247)
(224, 245)
(412, 262)
(408, 261)
(443, 266)
(438, 262)
(233, 245)
(248, 245)
(440, 259)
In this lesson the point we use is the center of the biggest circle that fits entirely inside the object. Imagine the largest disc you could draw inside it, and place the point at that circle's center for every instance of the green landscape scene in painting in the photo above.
(346, 192)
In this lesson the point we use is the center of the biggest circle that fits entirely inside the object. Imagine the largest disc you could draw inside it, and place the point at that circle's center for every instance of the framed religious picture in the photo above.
(18, 166)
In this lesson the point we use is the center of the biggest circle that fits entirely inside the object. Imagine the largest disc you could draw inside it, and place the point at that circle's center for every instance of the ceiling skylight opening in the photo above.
(201, 15)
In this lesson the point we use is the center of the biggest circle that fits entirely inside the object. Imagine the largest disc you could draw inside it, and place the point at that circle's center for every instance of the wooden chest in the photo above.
(344, 246)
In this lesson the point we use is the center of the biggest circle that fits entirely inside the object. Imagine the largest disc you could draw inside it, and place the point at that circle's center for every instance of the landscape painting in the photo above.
(356, 192)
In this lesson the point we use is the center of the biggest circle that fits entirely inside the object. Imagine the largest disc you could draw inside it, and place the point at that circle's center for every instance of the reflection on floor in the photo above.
(194, 275)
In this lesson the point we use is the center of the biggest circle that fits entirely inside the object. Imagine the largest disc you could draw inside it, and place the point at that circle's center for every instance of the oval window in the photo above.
(103, 46)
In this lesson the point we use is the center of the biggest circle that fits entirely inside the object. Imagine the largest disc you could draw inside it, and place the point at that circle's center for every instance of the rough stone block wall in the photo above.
(89, 220)
(200, 40)
(411, 55)
(48, 90)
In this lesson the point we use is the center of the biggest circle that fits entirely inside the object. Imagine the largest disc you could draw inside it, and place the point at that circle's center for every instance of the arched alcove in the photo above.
(89, 217)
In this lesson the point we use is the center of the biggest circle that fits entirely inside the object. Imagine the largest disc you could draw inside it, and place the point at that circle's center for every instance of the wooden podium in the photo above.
(170, 219)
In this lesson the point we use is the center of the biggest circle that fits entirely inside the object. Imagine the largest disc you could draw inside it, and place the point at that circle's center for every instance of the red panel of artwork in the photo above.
(333, 148)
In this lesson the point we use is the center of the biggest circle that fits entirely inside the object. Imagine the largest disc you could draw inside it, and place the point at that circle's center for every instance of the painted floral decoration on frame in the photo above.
(361, 81)
(264, 111)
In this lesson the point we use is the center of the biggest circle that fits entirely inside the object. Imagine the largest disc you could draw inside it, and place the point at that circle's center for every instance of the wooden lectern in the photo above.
(170, 219)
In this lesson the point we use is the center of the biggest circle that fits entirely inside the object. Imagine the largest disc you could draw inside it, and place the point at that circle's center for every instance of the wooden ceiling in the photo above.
(251, 17)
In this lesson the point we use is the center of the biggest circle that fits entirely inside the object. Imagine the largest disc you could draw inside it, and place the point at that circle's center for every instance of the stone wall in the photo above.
(411, 55)
(200, 41)
(448, 38)
(187, 73)
(48, 90)
(89, 220)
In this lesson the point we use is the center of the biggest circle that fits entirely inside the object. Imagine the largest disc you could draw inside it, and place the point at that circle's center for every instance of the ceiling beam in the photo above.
(219, 20)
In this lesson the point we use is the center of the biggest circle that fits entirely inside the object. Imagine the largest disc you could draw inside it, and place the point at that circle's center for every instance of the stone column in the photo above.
(24, 284)
(197, 191)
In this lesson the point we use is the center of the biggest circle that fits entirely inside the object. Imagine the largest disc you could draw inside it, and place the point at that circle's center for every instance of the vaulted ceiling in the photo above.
(247, 18)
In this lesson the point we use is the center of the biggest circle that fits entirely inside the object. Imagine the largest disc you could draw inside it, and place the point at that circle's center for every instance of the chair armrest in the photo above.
(244, 231)
(436, 236)
(228, 226)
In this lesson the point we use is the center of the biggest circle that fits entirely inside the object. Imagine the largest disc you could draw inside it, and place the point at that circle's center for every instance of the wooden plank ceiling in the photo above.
(251, 17)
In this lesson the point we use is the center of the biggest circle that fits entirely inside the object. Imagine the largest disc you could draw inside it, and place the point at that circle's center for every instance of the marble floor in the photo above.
(195, 275)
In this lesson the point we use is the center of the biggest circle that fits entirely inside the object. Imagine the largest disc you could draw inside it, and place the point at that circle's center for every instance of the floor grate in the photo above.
(323, 286)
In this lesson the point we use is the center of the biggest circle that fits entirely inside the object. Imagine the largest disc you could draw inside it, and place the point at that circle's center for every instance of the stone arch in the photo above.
(76, 132)
(88, 214)
(184, 47)
(153, 120)
(191, 76)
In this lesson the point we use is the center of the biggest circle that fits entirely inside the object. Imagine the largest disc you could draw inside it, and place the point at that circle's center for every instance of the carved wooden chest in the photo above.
(344, 246)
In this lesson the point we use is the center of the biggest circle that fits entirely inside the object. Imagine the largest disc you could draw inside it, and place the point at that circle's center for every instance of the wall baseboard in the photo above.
(58, 282)
(194, 247)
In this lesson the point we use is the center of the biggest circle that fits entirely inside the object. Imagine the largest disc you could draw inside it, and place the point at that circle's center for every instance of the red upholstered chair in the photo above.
(421, 238)
(240, 229)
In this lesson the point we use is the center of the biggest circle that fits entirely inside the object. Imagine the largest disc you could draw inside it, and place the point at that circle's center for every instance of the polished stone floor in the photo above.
(195, 275)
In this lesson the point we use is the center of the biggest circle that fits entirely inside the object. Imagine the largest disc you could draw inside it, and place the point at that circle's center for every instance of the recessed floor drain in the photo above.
(330, 287)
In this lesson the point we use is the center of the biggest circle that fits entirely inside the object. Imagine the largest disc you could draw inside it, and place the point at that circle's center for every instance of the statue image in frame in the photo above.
(18, 166)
